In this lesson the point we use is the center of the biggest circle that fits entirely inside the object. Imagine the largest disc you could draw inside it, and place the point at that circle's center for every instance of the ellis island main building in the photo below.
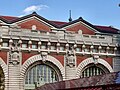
(35, 51)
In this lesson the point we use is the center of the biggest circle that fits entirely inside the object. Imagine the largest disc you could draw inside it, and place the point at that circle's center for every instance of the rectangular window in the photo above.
(111, 51)
(103, 50)
(5, 44)
(43, 47)
(53, 48)
(78, 49)
(87, 49)
(62, 48)
(34, 46)
(93, 36)
(24, 45)
(101, 37)
(95, 49)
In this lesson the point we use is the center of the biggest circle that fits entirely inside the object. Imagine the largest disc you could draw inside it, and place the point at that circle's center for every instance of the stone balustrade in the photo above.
(25, 33)
(62, 38)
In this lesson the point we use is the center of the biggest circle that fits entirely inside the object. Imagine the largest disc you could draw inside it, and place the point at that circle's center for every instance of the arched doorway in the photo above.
(40, 73)
(2, 79)
(93, 69)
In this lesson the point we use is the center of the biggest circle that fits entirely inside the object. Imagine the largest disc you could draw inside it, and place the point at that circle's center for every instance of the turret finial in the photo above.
(70, 18)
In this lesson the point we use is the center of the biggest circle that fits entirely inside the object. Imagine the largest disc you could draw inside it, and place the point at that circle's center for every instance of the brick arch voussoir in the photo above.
(4, 67)
(5, 71)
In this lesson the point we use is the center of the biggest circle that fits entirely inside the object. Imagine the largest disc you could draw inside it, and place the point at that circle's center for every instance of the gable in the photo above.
(79, 26)
(39, 25)
(43, 24)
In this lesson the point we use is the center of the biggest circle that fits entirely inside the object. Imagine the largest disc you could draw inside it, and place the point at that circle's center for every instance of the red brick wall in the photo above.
(3, 55)
(40, 26)
(109, 60)
(80, 59)
(25, 56)
(78, 27)
(60, 58)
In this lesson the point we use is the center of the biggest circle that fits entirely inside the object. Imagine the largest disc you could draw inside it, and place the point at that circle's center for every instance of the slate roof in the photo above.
(8, 18)
(59, 24)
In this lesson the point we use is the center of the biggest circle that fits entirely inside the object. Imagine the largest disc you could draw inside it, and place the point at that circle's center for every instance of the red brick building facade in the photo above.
(35, 51)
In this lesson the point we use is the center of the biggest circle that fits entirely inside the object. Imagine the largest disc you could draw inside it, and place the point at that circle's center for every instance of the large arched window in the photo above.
(93, 69)
(40, 74)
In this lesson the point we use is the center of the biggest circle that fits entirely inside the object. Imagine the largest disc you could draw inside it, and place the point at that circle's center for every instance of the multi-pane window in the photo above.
(92, 71)
(40, 74)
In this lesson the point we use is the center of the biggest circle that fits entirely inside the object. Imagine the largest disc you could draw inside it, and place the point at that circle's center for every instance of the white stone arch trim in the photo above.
(4, 67)
(5, 71)
(89, 61)
(35, 58)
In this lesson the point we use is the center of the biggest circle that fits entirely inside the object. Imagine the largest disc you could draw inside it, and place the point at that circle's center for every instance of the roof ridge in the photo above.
(58, 21)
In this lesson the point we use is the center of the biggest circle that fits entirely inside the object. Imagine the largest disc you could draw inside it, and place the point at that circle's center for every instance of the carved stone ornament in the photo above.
(14, 54)
(70, 58)
(15, 47)
(14, 58)
(44, 56)
(95, 58)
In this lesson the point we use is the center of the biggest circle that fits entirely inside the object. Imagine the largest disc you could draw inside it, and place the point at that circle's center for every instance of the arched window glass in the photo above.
(93, 70)
(39, 75)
